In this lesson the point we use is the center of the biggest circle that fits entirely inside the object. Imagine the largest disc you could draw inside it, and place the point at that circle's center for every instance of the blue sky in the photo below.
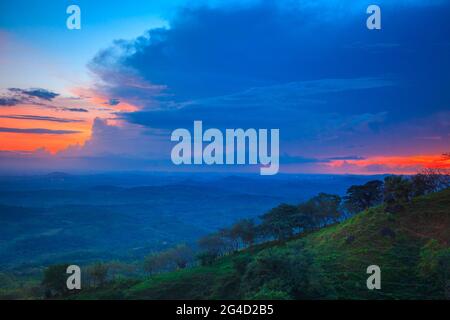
(335, 89)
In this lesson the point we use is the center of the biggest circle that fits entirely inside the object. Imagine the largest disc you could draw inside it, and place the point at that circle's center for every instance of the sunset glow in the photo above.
(399, 164)
(113, 91)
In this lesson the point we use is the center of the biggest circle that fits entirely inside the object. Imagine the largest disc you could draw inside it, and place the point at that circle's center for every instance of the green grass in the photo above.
(411, 248)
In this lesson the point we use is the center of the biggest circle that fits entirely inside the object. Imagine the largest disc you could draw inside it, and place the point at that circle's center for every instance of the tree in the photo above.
(397, 193)
(230, 238)
(181, 255)
(306, 217)
(54, 281)
(170, 259)
(245, 231)
(279, 222)
(362, 197)
(326, 207)
(289, 271)
(214, 244)
(318, 211)
(118, 268)
(98, 273)
(206, 258)
(422, 184)
(157, 262)
(430, 180)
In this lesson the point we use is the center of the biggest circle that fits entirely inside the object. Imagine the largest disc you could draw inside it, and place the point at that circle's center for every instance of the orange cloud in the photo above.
(30, 142)
(14, 141)
(29, 116)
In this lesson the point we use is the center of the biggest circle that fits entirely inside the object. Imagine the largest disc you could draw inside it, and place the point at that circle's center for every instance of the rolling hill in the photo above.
(410, 247)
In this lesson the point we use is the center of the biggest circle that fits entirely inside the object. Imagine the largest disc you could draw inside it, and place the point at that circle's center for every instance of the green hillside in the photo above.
(411, 248)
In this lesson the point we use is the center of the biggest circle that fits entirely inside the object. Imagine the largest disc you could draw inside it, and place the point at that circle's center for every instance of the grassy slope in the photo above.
(406, 246)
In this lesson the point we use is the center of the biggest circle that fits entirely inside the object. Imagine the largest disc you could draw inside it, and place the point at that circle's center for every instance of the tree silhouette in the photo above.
(361, 197)
(279, 222)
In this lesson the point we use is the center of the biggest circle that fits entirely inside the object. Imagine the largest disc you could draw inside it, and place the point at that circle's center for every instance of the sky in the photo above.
(107, 97)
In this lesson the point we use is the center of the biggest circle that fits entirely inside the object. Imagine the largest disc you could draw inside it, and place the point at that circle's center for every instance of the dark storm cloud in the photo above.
(40, 118)
(75, 109)
(16, 96)
(38, 97)
(230, 52)
(35, 93)
(315, 72)
(8, 101)
(37, 131)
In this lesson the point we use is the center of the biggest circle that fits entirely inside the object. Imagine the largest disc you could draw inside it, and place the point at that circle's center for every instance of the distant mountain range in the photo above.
(62, 217)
